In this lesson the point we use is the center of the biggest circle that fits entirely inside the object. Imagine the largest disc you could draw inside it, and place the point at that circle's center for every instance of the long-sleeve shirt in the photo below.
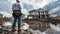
(16, 6)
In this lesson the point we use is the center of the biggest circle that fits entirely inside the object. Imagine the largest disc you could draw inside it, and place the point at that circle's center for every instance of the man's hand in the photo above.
(20, 14)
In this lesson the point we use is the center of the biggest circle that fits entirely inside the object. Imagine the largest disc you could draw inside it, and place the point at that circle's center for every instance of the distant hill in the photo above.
(57, 17)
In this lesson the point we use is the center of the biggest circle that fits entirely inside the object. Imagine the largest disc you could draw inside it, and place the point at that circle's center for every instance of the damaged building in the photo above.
(39, 19)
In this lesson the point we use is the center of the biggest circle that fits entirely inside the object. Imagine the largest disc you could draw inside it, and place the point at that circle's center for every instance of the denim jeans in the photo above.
(19, 21)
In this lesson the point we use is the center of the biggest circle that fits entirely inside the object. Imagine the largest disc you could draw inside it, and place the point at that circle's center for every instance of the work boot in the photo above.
(13, 29)
(19, 31)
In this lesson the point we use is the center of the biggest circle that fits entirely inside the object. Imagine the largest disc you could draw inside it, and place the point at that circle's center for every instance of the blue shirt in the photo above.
(16, 6)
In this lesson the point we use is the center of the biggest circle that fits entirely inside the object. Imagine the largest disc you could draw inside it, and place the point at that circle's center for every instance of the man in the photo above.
(16, 8)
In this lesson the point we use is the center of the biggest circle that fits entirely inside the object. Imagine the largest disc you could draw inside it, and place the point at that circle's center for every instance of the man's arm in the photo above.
(20, 7)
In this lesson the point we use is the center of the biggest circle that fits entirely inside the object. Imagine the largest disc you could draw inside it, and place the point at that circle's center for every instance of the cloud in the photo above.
(38, 3)
(26, 4)
(12, 1)
(5, 8)
(35, 4)
(5, 5)
(6, 14)
(54, 10)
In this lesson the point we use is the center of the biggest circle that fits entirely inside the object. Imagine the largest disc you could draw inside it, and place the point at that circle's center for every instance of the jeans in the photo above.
(19, 21)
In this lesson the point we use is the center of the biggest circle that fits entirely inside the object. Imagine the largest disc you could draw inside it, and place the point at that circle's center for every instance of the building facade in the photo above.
(43, 13)
(38, 14)
(37, 19)
(40, 20)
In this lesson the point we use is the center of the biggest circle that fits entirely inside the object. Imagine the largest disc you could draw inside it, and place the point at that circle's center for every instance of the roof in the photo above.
(40, 9)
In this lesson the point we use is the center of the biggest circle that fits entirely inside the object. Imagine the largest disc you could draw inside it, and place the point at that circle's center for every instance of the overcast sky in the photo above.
(5, 5)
